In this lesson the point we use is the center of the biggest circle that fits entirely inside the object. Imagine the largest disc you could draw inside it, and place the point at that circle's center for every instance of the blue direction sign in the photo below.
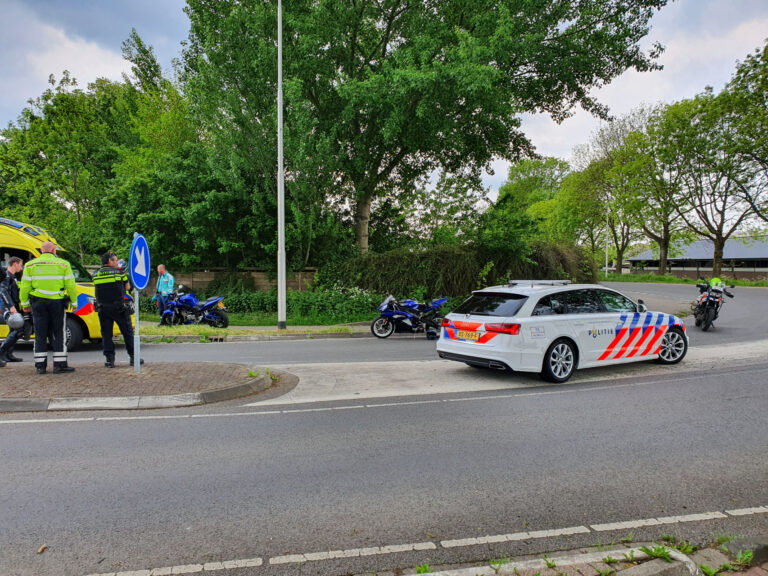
(139, 267)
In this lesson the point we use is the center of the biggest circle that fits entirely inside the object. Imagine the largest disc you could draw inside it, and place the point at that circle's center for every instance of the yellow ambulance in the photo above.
(24, 241)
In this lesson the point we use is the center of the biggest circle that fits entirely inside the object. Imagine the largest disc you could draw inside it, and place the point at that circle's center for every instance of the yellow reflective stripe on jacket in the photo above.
(47, 277)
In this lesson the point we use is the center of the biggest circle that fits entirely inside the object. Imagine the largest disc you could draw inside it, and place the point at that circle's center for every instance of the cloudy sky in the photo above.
(703, 39)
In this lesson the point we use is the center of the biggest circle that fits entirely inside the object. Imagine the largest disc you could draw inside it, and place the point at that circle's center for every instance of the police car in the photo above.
(553, 327)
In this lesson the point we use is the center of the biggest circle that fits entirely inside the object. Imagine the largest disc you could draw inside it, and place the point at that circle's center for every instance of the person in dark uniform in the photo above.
(9, 303)
(110, 284)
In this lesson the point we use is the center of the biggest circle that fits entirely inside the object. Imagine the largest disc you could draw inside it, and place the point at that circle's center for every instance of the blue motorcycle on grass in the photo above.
(187, 309)
(408, 316)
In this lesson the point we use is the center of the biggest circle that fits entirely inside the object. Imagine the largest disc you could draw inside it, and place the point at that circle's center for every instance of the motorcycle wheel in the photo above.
(382, 327)
(709, 317)
(221, 319)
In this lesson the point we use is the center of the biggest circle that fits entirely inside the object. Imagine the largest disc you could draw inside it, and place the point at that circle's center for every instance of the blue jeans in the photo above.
(161, 300)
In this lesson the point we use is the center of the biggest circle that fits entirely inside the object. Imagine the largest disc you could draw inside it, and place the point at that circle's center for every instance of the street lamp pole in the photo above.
(281, 313)
(606, 241)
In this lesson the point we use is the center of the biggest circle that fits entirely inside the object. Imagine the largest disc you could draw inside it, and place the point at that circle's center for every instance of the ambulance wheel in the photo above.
(73, 334)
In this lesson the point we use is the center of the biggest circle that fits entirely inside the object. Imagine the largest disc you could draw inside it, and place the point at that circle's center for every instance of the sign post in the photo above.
(138, 269)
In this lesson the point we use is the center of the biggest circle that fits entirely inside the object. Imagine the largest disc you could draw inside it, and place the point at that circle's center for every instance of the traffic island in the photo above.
(158, 385)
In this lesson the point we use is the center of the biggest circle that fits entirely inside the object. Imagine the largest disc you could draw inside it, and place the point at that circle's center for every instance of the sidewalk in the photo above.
(631, 560)
(158, 385)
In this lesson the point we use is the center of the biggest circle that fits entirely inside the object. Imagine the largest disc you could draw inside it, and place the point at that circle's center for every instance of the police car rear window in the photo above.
(490, 304)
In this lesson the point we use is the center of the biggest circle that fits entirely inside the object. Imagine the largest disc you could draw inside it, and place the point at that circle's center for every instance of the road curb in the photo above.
(575, 562)
(257, 384)
(185, 339)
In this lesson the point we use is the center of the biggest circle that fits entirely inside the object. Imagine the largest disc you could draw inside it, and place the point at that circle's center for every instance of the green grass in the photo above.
(669, 279)
(657, 552)
(269, 319)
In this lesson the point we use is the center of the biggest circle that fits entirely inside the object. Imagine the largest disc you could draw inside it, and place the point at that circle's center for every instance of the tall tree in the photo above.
(384, 93)
(745, 100)
(698, 136)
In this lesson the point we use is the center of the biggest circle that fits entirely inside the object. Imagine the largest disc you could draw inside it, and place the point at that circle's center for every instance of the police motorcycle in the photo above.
(181, 308)
(408, 316)
(706, 308)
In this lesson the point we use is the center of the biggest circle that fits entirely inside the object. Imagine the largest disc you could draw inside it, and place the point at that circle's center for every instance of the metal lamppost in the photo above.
(281, 324)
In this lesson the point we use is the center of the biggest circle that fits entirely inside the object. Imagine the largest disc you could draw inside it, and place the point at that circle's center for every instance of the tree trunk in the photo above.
(717, 262)
(619, 261)
(663, 251)
(362, 218)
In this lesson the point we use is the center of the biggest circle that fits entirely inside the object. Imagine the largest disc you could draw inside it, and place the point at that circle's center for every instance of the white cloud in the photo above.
(703, 41)
(32, 50)
(85, 60)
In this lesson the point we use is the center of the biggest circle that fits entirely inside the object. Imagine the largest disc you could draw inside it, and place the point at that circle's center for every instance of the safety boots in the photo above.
(109, 362)
(141, 361)
(61, 367)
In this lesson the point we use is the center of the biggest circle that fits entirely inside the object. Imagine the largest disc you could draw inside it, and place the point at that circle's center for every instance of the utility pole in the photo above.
(606, 241)
(281, 296)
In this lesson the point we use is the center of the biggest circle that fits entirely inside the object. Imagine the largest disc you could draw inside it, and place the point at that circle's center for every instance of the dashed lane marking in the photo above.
(422, 546)
(514, 537)
(657, 521)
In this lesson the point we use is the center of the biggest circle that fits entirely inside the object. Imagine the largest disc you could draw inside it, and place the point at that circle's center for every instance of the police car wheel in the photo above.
(559, 362)
(673, 347)
(73, 334)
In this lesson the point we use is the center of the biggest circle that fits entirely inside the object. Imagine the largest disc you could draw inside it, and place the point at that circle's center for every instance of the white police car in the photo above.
(553, 327)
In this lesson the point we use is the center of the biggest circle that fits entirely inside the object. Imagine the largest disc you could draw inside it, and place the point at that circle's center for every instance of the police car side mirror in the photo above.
(641, 307)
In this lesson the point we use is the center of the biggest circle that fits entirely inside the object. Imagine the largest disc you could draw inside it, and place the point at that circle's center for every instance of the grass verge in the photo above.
(669, 279)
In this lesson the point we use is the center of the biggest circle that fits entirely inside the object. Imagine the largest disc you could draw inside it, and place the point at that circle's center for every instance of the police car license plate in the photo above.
(468, 335)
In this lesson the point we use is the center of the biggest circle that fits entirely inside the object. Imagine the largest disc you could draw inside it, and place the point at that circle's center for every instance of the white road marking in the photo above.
(748, 511)
(562, 390)
(515, 536)
(657, 521)
(351, 553)
(422, 546)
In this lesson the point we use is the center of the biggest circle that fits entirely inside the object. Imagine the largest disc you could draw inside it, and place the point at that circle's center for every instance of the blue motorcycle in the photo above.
(183, 308)
(408, 316)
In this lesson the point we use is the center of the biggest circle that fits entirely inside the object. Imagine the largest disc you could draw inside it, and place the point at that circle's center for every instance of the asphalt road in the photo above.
(129, 494)
(110, 492)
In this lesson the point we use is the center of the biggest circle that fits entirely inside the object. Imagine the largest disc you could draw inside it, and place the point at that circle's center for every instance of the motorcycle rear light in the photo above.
(503, 328)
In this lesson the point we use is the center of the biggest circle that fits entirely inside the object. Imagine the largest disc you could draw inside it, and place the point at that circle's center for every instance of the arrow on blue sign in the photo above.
(139, 265)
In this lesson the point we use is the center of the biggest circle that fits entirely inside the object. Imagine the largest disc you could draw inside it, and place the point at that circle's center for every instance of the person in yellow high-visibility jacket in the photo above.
(47, 287)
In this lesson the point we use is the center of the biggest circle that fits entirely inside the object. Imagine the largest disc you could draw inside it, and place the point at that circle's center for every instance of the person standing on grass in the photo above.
(163, 289)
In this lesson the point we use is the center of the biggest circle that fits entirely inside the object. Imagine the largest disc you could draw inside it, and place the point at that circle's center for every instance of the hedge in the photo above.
(451, 271)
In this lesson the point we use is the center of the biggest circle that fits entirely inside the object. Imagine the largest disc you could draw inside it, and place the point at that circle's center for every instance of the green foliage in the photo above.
(657, 552)
(372, 109)
(444, 271)
(707, 570)
(422, 569)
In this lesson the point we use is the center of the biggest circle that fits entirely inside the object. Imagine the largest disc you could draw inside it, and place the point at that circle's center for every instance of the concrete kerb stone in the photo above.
(757, 545)
(134, 402)
(576, 563)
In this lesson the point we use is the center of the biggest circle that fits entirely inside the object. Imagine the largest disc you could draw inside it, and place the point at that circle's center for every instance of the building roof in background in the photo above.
(735, 249)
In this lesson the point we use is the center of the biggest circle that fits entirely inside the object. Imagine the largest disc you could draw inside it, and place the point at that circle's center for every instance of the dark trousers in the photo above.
(11, 339)
(108, 317)
(49, 317)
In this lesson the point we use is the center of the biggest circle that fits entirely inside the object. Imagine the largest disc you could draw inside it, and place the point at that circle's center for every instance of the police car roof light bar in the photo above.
(539, 282)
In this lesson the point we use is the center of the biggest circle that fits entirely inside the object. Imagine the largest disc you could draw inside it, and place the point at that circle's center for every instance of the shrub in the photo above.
(445, 271)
